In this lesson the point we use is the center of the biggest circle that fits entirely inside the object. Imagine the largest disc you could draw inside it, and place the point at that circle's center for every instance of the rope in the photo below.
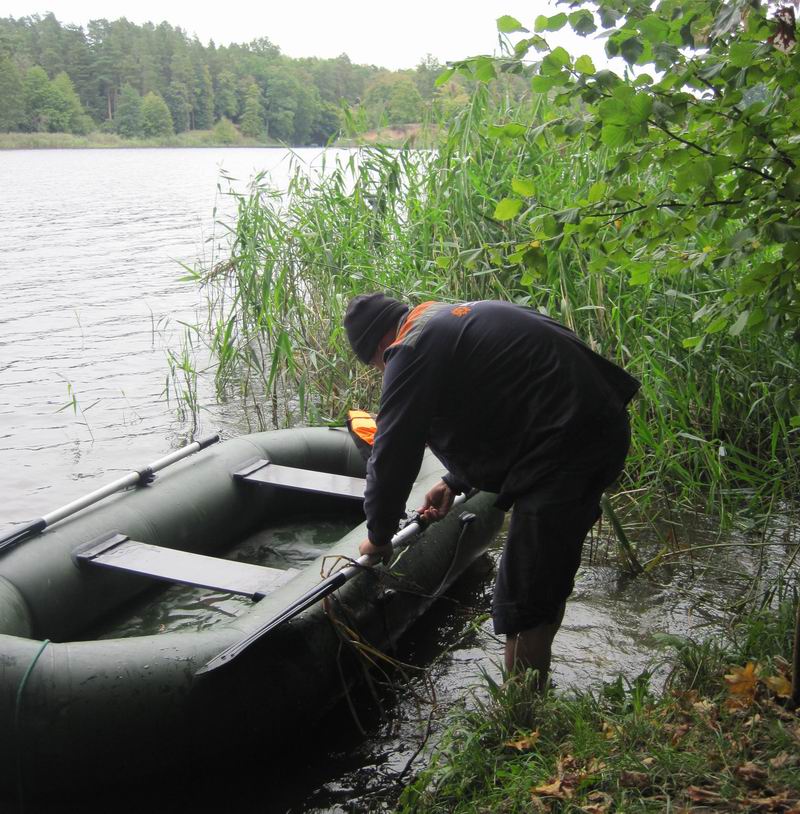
(17, 708)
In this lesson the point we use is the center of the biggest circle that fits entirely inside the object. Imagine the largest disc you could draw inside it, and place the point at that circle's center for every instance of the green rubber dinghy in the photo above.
(103, 675)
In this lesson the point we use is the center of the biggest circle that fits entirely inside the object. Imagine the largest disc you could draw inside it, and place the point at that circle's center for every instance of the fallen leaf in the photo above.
(780, 685)
(751, 773)
(554, 789)
(697, 794)
(596, 766)
(778, 802)
(677, 732)
(783, 760)
(742, 681)
(648, 761)
(524, 743)
(610, 731)
(704, 708)
(634, 780)
(595, 808)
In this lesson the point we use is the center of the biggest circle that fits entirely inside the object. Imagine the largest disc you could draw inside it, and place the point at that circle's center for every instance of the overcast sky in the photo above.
(393, 35)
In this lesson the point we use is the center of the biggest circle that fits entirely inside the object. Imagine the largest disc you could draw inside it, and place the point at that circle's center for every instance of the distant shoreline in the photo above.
(408, 135)
(69, 141)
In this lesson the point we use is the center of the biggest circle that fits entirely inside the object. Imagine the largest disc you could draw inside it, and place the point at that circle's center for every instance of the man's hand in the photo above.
(383, 552)
(438, 502)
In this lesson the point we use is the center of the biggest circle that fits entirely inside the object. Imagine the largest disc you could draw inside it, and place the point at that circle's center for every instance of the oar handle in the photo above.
(141, 476)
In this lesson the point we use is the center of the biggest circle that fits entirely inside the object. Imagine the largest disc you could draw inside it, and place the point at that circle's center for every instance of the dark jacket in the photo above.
(499, 392)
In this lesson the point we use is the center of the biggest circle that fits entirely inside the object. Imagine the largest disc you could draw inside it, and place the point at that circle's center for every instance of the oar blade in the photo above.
(306, 601)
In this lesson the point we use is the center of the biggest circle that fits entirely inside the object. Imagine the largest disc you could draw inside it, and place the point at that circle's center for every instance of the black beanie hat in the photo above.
(369, 317)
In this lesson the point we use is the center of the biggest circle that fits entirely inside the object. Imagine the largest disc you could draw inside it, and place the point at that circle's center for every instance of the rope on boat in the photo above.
(17, 709)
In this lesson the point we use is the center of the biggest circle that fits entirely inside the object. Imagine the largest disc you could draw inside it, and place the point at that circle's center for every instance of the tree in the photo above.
(252, 123)
(177, 99)
(12, 108)
(281, 103)
(128, 119)
(226, 101)
(156, 118)
(70, 116)
(203, 103)
(393, 99)
(40, 105)
(719, 108)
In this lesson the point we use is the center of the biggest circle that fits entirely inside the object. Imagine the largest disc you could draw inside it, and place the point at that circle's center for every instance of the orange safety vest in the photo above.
(362, 427)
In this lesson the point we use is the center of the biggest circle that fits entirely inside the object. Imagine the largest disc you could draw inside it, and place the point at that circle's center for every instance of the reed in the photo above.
(713, 423)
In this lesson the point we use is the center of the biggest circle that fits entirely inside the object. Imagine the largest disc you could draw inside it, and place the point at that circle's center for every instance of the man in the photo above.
(511, 402)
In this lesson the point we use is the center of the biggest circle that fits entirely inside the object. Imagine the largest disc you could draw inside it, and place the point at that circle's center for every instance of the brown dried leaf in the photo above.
(595, 808)
(524, 743)
(780, 685)
(751, 773)
(778, 802)
(554, 789)
(742, 681)
(634, 780)
(697, 794)
(783, 760)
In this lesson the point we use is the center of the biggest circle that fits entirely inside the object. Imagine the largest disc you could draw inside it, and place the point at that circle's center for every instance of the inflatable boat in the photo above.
(107, 668)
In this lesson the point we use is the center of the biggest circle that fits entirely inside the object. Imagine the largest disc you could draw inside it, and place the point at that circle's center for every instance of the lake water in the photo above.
(91, 302)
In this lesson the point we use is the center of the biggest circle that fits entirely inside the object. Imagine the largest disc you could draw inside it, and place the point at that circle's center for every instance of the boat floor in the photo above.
(292, 543)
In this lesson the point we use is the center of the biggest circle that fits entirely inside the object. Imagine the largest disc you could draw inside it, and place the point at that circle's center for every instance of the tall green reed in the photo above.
(712, 421)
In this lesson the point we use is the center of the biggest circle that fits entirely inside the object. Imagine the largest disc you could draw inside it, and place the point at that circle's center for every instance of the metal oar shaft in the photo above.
(131, 479)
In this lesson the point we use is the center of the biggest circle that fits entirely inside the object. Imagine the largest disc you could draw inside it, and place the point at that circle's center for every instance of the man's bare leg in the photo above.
(531, 649)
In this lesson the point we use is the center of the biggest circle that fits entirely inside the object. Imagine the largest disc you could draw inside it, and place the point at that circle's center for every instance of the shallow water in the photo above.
(185, 609)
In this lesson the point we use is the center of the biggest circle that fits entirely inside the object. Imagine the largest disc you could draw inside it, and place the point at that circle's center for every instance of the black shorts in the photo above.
(547, 529)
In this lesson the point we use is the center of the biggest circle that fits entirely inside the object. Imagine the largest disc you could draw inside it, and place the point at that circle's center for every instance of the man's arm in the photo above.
(413, 381)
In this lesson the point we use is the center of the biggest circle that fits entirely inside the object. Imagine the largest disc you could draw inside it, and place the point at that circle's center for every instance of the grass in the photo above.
(720, 736)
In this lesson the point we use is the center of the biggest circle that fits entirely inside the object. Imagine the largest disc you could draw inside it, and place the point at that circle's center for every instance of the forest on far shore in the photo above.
(145, 81)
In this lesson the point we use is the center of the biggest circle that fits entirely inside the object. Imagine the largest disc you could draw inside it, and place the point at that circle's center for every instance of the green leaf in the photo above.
(631, 49)
(740, 324)
(542, 84)
(524, 187)
(614, 135)
(555, 61)
(585, 65)
(507, 208)
(554, 23)
(444, 76)
(582, 23)
(512, 130)
(717, 325)
(639, 273)
(484, 69)
(741, 54)
(509, 25)
(692, 341)
(442, 262)
(597, 191)
(653, 28)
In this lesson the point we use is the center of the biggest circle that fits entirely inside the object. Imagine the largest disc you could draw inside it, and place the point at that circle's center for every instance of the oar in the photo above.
(317, 593)
(140, 477)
